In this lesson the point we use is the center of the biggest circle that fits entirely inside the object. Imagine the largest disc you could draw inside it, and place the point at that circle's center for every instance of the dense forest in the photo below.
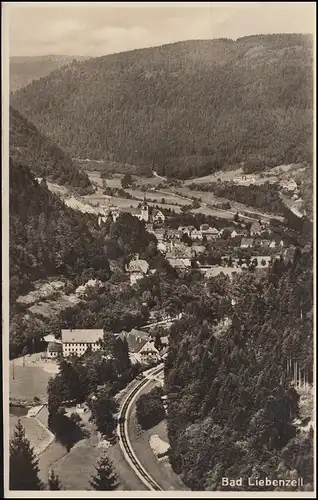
(46, 237)
(25, 69)
(29, 147)
(186, 109)
(264, 197)
(232, 404)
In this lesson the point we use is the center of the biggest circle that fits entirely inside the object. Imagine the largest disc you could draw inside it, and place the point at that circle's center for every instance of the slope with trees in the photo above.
(46, 237)
(187, 109)
(235, 397)
(31, 148)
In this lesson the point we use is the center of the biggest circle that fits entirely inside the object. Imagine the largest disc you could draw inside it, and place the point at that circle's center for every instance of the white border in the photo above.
(6, 6)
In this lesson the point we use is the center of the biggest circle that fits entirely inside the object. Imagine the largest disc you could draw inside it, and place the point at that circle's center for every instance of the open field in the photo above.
(115, 180)
(157, 196)
(35, 432)
(271, 175)
(226, 175)
(76, 467)
(30, 380)
(94, 202)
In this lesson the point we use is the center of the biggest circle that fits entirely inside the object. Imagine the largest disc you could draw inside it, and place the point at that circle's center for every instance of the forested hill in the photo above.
(186, 108)
(46, 237)
(234, 406)
(25, 69)
(31, 148)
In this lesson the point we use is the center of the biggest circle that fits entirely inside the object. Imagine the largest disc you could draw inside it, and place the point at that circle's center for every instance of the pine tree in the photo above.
(23, 463)
(105, 479)
(54, 482)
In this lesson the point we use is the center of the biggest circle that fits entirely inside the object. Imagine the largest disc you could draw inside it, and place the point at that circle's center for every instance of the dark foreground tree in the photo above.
(105, 478)
(23, 463)
(54, 482)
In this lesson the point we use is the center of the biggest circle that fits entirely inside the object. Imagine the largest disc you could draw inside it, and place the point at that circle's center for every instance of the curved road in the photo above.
(122, 431)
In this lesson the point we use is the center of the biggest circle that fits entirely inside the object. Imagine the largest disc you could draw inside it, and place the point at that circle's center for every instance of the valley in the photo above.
(161, 265)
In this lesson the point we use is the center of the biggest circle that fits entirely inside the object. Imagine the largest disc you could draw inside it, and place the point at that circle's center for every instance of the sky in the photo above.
(95, 29)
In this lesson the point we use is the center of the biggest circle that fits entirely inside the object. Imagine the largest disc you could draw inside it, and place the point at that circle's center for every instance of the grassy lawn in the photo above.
(36, 434)
(30, 380)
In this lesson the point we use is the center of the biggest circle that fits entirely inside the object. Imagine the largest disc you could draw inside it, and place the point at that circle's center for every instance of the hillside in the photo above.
(24, 70)
(233, 407)
(29, 147)
(46, 237)
(187, 108)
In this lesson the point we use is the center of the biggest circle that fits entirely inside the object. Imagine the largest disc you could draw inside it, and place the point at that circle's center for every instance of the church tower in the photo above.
(145, 211)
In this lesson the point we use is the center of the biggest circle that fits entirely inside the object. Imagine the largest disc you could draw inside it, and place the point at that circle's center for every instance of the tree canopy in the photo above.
(173, 107)
(23, 464)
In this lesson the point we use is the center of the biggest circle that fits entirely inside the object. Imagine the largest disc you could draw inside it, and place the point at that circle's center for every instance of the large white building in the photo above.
(77, 341)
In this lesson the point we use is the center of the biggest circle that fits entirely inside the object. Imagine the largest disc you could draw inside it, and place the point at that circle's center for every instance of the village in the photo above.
(244, 244)
(185, 247)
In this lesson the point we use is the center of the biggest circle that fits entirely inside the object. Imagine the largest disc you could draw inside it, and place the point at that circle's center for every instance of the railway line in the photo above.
(124, 441)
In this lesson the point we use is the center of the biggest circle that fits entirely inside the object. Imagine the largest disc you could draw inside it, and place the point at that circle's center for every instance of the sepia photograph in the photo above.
(158, 231)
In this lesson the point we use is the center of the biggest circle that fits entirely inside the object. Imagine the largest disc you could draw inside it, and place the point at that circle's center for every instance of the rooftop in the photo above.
(138, 266)
(82, 336)
(181, 263)
(135, 339)
(247, 241)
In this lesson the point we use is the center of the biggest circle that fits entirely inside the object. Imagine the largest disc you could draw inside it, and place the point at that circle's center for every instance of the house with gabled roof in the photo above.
(157, 216)
(247, 242)
(141, 346)
(256, 229)
(211, 233)
(137, 269)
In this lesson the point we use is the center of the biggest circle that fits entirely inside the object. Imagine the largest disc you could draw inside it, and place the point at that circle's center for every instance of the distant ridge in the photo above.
(25, 69)
(185, 109)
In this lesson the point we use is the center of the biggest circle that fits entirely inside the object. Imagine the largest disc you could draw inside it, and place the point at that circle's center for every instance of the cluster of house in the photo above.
(141, 345)
(149, 215)
(289, 186)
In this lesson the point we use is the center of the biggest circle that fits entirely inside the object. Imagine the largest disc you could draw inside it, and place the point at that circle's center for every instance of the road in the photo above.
(122, 431)
(159, 176)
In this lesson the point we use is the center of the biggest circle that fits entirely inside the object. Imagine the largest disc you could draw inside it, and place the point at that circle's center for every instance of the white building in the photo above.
(54, 347)
(144, 212)
(77, 341)
(211, 233)
(289, 185)
(180, 263)
(137, 269)
(157, 216)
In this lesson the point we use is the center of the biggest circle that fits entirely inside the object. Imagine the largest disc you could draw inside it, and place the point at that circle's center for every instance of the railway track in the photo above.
(125, 444)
